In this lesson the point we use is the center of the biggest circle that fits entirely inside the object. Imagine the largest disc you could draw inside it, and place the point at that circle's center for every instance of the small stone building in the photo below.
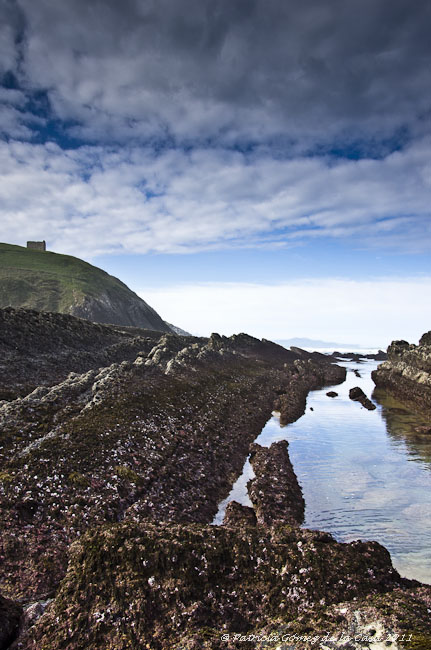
(37, 245)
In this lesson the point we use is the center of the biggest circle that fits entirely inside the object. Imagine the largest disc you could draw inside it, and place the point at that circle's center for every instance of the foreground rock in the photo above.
(357, 395)
(111, 473)
(166, 586)
(407, 373)
(160, 436)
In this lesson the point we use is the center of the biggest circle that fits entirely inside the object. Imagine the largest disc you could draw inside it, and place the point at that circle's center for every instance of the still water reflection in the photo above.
(364, 474)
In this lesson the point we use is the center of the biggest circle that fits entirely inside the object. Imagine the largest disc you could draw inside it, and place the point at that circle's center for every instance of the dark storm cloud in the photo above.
(186, 125)
(241, 70)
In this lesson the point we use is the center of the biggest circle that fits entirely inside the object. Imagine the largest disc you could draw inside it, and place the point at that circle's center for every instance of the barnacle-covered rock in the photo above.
(275, 492)
(407, 373)
(166, 586)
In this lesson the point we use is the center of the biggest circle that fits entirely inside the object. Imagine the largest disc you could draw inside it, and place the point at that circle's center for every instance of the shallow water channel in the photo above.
(364, 474)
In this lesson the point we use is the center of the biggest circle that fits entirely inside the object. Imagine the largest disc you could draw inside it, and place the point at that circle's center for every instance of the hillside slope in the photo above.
(48, 281)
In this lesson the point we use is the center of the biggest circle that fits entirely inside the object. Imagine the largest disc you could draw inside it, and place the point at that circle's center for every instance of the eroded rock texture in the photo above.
(184, 586)
(274, 492)
(407, 372)
(160, 435)
(116, 448)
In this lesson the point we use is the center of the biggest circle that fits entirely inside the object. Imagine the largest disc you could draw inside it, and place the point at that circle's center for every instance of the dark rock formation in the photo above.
(332, 393)
(41, 349)
(355, 356)
(167, 586)
(10, 615)
(407, 373)
(275, 492)
(161, 435)
(31, 614)
(309, 375)
(112, 467)
(237, 516)
(357, 395)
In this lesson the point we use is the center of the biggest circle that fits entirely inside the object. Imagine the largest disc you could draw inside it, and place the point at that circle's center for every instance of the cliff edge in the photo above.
(50, 282)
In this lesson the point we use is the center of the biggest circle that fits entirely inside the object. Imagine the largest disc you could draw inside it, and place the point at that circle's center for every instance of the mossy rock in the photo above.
(133, 586)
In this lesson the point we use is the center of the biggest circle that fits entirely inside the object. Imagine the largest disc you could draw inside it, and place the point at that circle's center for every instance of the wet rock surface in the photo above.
(238, 516)
(115, 453)
(307, 375)
(407, 373)
(166, 585)
(275, 492)
(358, 357)
(357, 395)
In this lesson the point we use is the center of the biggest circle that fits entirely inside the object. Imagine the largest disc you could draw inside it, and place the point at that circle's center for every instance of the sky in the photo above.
(243, 165)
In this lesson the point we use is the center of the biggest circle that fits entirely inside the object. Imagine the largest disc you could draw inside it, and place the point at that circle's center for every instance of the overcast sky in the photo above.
(254, 165)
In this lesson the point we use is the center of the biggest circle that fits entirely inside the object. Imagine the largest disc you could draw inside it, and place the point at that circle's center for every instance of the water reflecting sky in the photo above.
(364, 474)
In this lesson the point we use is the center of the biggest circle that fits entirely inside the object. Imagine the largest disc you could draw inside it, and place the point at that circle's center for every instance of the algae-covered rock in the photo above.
(395, 620)
(275, 491)
(238, 516)
(407, 373)
(131, 441)
(156, 585)
(115, 454)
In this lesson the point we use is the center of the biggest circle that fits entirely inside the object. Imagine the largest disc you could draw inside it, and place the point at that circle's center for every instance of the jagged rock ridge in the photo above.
(407, 372)
(112, 468)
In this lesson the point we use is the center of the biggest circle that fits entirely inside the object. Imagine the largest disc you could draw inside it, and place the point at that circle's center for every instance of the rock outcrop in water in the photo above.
(275, 492)
(309, 375)
(357, 395)
(116, 448)
(407, 373)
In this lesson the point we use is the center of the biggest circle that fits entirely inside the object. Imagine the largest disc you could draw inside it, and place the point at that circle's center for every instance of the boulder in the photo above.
(357, 395)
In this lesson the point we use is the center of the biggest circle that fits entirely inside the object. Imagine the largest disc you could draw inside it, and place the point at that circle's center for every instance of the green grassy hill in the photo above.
(61, 283)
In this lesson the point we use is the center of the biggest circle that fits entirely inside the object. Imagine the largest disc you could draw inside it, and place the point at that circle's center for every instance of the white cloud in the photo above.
(97, 200)
(368, 313)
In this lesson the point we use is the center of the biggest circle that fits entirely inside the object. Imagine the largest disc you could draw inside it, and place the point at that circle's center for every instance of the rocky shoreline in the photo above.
(112, 473)
(407, 373)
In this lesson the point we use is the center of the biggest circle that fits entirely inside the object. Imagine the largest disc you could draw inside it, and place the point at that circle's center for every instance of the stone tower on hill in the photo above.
(37, 245)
